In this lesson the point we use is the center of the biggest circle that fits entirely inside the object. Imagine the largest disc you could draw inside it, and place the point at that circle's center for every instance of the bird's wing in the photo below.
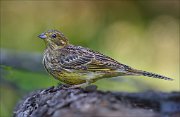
(75, 60)
(73, 57)
(102, 61)
(77, 57)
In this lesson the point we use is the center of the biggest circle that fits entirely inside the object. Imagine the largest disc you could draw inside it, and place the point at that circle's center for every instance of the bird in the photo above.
(79, 66)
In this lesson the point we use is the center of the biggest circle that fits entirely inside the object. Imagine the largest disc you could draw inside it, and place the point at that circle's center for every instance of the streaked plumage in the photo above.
(76, 65)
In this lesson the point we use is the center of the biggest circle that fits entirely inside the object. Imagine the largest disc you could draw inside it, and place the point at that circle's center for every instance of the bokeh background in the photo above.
(143, 34)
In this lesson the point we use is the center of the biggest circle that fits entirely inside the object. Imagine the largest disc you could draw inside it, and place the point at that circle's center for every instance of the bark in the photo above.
(61, 101)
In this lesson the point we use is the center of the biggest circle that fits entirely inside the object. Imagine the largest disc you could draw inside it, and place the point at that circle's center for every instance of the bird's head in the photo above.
(54, 39)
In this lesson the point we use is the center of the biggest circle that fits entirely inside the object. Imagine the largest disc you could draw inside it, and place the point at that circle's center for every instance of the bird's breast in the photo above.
(50, 62)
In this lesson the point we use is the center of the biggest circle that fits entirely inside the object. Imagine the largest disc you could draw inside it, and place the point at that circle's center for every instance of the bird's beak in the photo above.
(42, 36)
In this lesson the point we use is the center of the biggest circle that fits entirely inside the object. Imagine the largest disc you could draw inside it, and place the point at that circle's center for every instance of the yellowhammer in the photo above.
(80, 66)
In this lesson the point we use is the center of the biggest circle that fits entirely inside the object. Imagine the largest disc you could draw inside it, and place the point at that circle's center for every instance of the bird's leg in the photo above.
(81, 85)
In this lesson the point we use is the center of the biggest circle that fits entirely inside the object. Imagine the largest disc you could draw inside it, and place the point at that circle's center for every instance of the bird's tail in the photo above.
(149, 74)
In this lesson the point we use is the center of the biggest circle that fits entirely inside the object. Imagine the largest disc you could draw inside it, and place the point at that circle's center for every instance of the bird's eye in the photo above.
(53, 35)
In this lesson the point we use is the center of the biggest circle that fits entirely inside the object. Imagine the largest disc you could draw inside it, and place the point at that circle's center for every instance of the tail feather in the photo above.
(149, 74)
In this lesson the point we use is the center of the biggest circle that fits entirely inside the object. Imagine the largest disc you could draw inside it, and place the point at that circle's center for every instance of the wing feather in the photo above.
(78, 57)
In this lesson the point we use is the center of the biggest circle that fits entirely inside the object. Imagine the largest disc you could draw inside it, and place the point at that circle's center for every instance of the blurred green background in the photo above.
(142, 34)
